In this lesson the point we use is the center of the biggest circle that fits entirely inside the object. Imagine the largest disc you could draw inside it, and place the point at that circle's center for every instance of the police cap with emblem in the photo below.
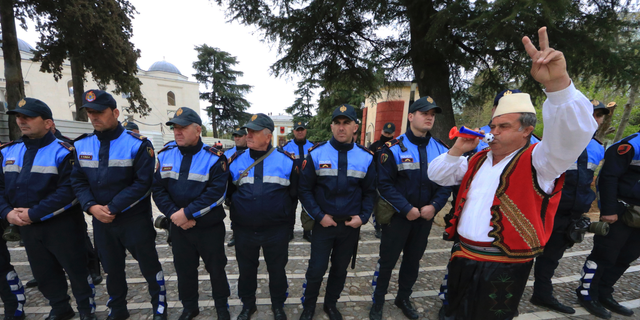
(185, 116)
(298, 125)
(424, 104)
(239, 132)
(130, 125)
(598, 105)
(345, 110)
(259, 121)
(98, 100)
(32, 108)
(389, 127)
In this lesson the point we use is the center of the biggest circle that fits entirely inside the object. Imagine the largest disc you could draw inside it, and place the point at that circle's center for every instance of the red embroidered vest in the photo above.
(522, 213)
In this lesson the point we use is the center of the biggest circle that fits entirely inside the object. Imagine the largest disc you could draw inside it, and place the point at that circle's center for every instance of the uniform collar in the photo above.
(418, 140)
(341, 146)
(38, 143)
(255, 154)
(384, 139)
(110, 134)
(240, 148)
(301, 142)
(192, 149)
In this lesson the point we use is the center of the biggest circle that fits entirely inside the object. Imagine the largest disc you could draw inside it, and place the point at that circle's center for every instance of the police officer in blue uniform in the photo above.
(240, 138)
(388, 130)
(263, 184)
(38, 197)
(576, 200)
(299, 148)
(337, 188)
(131, 126)
(403, 182)
(483, 145)
(189, 187)
(11, 289)
(112, 179)
(619, 191)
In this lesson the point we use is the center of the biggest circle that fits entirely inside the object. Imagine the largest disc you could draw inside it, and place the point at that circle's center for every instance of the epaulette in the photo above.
(286, 153)
(166, 144)
(167, 148)
(598, 141)
(67, 146)
(365, 149)
(236, 154)
(287, 143)
(136, 135)
(215, 151)
(442, 142)
(10, 143)
(391, 143)
(317, 145)
(82, 136)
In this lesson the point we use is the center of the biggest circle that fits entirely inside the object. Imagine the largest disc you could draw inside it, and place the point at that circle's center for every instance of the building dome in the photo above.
(164, 67)
(22, 45)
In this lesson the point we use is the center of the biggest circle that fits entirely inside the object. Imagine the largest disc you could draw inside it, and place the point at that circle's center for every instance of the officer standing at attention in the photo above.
(618, 188)
(189, 188)
(388, 131)
(240, 138)
(112, 178)
(404, 183)
(576, 200)
(299, 148)
(337, 188)
(131, 126)
(38, 197)
(263, 184)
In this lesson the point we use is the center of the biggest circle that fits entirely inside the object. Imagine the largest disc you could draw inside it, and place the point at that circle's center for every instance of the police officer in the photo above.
(240, 138)
(337, 188)
(299, 147)
(131, 126)
(388, 130)
(404, 183)
(38, 197)
(189, 188)
(618, 185)
(576, 200)
(112, 178)
(263, 184)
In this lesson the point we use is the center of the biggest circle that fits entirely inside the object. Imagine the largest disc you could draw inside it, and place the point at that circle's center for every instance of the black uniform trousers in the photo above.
(338, 244)
(274, 242)
(11, 289)
(53, 247)
(93, 262)
(610, 258)
(400, 236)
(547, 263)
(188, 246)
(137, 235)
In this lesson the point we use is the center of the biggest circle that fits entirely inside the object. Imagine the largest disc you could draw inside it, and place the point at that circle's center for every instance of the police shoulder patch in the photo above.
(365, 149)
(67, 146)
(287, 153)
(317, 145)
(136, 135)
(10, 143)
(235, 155)
(168, 143)
(82, 136)
(166, 148)
(442, 143)
(624, 148)
(215, 151)
(391, 143)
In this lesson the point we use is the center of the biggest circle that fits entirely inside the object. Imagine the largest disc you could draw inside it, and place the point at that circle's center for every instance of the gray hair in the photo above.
(266, 132)
(526, 120)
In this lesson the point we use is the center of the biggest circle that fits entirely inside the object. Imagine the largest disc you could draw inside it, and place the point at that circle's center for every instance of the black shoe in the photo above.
(307, 313)
(306, 235)
(279, 314)
(378, 234)
(223, 313)
(123, 316)
(408, 309)
(232, 241)
(162, 316)
(64, 316)
(551, 303)
(376, 311)
(614, 306)
(595, 308)
(246, 313)
(88, 316)
(189, 314)
(332, 312)
(12, 317)
(31, 283)
(96, 279)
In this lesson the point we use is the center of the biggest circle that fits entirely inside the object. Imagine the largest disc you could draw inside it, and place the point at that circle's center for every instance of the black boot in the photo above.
(307, 313)
(407, 308)
(614, 306)
(595, 308)
(246, 313)
(376, 311)
(332, 312)
(551, 303)
(278, 313)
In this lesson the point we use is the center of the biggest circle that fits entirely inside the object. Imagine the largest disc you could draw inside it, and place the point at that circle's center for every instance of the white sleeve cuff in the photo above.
(563, 96)
(451, 159)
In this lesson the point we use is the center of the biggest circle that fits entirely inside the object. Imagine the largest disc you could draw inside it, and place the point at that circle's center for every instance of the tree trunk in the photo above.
(627, 112)
(12, 63)
(77, 77)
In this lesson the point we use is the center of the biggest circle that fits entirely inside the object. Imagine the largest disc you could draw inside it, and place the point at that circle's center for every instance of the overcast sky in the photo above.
(170, 30)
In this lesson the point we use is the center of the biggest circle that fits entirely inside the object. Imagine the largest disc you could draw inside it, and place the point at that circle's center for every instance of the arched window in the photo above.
(171, 98)
(70, 87)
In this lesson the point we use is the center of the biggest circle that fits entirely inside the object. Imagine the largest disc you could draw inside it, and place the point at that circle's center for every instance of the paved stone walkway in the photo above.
(356, 297)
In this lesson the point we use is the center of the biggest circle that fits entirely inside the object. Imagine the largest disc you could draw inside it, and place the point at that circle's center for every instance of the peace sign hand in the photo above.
(549, 66)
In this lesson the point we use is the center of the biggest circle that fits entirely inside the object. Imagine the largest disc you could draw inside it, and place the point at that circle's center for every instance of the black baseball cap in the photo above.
(298, 125)
(597, 104)
(239, 132)
(32, 108)
(502, 94)
(389, 127)
(184, 117)
(98, 100)
(345, 110)
(130, 125)
(258, 122)
(424, 104)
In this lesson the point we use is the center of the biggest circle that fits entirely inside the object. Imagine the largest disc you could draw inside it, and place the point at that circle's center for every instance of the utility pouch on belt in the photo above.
(383, 211)
(631, 215)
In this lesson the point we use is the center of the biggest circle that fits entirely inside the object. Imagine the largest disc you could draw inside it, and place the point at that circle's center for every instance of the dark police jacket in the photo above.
(36, 175)
(298, 151)
(619, 177)
(114, 168)
(193, 178)
(338, 179)
(402, 174)
(263, 198)
(577, 195)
